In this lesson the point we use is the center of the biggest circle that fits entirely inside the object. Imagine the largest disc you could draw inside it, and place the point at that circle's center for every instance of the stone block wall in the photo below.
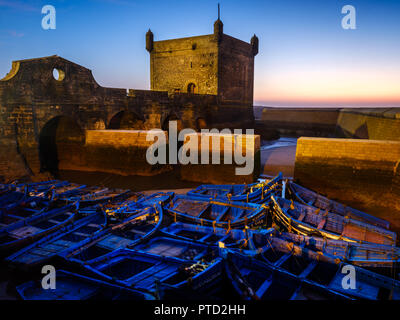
(375, 124)
(355, 123)
(362, 173)
(32, 102)
(120, 152)
(300, 121)
(222, 173)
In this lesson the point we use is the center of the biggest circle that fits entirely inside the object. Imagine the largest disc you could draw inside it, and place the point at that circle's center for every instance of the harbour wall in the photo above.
(362, 173)
(123, 152)
(360, 123)
(222, 173)
(120, 152)
(36, 107)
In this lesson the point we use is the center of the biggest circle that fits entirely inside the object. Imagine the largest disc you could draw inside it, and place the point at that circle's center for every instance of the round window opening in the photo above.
(58, 74)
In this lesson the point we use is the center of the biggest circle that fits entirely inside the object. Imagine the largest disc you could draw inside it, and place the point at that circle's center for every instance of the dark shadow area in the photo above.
(362, 132)
(125, 120)
(57, 135)
(164, 181)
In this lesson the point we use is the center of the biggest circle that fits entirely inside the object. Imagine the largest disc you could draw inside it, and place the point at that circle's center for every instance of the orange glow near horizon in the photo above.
(330, 87)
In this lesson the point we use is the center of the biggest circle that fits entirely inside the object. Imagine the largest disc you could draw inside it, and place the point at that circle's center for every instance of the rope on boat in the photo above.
(229, 227)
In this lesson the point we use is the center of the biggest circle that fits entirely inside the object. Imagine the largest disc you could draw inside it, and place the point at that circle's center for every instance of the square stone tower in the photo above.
(215, 64)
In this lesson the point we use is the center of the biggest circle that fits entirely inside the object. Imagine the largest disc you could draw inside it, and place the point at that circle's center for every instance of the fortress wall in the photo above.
(361, 173)
(370, 123)
(40, 116)
(300, 121)
(375, 124)
(114, 151)
(177, 62)
(18, 152)
(221, 173)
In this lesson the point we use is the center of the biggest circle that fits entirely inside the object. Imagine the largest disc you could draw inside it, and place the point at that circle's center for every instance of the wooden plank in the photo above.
(321, 224)
(25, 231)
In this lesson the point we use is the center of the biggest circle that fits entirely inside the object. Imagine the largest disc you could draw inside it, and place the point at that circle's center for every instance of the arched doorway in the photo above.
(126, 120)
(191, 88)
(60, 140)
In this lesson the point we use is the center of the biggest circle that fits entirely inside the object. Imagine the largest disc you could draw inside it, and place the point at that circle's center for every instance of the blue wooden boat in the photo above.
(11, 198)
(27, 187)
(145, 271)
(182, 249)
(368, 255)
(219, 213)
(311, 198)
(327, 271)
(72, 286)
(234, 238)
(254, 280)
(57, 190)
(24, 232)
(90, 196)
(139, 226)
(33, 189)
(20, 207)
(307, 220)
(158, 198)
(6, 188)
(68, 238)
(258, 192)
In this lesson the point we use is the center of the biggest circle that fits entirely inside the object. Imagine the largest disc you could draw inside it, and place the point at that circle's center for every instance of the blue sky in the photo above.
(305, 58)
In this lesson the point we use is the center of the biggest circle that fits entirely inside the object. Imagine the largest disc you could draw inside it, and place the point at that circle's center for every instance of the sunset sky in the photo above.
(306, 58)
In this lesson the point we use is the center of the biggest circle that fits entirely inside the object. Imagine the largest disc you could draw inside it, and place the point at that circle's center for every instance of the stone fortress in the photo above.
(47, 121)
(70, 122)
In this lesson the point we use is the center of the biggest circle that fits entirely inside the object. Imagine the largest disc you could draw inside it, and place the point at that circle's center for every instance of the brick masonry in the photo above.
(363, 173)
(120, 152)
(33, 104)
(222, 173)
(372, 123)
(216, 64)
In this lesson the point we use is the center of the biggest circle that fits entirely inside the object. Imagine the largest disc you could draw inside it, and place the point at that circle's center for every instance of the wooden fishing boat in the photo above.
(72, 286)
(32, 186)
(306, 220)
(68, 238)
(234, 238)
(256, 280)
(311, 198)
(10, 199)
(219, 213)
(57, 190)
(21, 207)
(141, 225)
(361, 254)
(36, 189)
(122, 204)
(324, 270)
(258, 192)
(90, 196)
(24, 232)
(158, 198)
(6, 188)
(182, 249)
(145, 271)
